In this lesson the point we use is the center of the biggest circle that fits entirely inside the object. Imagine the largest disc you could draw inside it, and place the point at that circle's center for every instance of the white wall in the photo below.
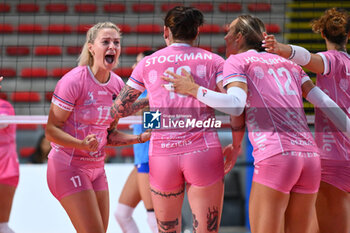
(35, 210)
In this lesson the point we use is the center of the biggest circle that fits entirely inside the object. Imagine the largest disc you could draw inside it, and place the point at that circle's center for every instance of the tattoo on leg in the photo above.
(167, 194)
(212, 219)
(167, 225)
(195, 223)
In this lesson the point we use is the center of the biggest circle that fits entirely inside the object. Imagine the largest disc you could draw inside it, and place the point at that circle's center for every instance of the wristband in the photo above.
(300, 55)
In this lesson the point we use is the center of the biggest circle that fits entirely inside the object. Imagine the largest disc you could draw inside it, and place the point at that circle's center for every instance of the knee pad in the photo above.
(123, 215)
(152, 221)
(4, 228)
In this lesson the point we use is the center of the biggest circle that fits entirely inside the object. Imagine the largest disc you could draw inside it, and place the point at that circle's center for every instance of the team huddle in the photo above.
(301, 183)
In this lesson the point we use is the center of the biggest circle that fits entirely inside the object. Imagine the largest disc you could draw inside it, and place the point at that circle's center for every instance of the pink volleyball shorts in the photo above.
(64, 180)
(199, 168)
(291, 171)
(9, 170)
(336, 173)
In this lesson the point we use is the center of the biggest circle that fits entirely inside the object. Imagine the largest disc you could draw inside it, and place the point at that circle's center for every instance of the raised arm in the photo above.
(126, 103)
(322, 101)
(232, 102)
(298, 54)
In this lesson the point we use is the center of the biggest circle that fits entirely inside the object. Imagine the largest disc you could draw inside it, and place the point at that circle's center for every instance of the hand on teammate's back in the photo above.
(182, 84)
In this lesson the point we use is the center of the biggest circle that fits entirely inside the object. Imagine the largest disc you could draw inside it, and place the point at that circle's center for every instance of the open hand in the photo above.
(230, 154)
(182, 84)
(270, 44)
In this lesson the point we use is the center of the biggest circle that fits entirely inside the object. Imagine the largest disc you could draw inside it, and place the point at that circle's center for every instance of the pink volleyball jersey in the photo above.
(8, 133)
(89, 102)
(206, 69)
(274, 111)
(335, 82)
